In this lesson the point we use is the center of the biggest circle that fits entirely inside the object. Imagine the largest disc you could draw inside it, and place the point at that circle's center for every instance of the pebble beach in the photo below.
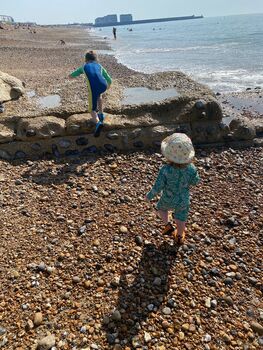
(83, 264)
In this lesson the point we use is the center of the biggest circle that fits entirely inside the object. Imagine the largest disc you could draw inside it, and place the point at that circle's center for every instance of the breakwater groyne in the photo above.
(142, 21)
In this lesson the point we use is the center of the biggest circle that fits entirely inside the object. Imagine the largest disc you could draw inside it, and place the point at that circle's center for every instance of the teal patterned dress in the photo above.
(174, 183)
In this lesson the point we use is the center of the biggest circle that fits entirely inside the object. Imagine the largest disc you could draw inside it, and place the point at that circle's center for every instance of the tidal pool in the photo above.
(140, 95)
(50, 101)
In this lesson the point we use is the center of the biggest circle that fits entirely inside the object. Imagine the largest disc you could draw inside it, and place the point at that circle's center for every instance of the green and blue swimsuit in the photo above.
(98, 80)
(174, 183)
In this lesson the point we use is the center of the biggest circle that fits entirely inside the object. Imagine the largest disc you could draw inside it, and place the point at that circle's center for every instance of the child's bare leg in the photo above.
(163, 214)
(94, 116)
(100, 104)
(180, 227)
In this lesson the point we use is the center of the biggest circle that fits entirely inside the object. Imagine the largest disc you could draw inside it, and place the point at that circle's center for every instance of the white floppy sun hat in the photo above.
(178, 148)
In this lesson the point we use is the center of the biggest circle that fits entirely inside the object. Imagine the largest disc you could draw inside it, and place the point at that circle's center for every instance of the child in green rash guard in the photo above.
(98, 81)
(174, 181)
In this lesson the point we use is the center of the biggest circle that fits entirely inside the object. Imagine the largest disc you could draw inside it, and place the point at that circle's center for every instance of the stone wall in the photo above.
(134, 127)
(194, 111)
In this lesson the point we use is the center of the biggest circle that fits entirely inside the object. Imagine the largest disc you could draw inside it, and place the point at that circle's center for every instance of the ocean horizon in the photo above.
(223, 52)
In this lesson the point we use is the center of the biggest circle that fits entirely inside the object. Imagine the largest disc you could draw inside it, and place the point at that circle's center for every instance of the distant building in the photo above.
(7, 19)
(125, 18)
(109, 19)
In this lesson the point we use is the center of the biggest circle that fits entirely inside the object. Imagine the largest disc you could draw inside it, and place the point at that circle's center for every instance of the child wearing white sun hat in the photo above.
(174, 180)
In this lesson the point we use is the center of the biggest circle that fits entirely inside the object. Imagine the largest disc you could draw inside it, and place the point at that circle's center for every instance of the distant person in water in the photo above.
(114, 30)
(98, 81)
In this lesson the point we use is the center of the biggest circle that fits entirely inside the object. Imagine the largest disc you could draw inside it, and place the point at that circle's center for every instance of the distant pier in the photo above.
(154, 20)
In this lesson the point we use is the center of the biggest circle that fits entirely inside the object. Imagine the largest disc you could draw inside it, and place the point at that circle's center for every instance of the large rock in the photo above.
(242, 129)
(79, 123)
(11, 88)
(207, 132)
(6, 133)
(40, 128)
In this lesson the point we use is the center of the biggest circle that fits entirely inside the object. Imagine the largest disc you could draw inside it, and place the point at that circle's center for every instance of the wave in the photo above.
(123, 50)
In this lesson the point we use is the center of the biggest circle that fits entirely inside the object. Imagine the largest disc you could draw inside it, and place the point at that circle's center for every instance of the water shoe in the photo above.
(98, 128)
(169, 229)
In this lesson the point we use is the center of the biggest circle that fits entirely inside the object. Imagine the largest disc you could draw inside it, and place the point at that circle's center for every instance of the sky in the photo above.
(84, 11)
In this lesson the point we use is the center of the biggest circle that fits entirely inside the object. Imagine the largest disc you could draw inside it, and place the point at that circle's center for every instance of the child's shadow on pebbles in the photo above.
(142, 296)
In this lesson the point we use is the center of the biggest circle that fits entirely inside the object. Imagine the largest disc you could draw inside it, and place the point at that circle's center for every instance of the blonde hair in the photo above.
(177, 165)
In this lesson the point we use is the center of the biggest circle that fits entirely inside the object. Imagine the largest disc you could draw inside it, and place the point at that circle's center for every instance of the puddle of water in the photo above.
(140, 95)
(31, 93)
(50, 101)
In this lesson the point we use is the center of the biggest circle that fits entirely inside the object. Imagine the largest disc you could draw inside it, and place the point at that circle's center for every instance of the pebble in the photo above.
(147, 337)
(181, 336)
(18, 182)
(94, 346)
(166, 311)
(123, 229)
(46, 343)
(38, 319)
(207, 338)
(231, 274)
(192, 328)
(117, 347)
(257, 328)
(214, 271)
(228, 281)
(213, 303)
(139, 240)
(115, 282)
(87, 284)
(3, 341)
(76, 279)
(157, 281)
(150, 307)
(185, 327)
(116, 315)
(83, 329)
(15, 274)
(82, 230)
(252, 280)
(171, 302)
(42, 267)
(208, 302)
(2, 331)
(228, 300)
(111, 338)
(165, 324)
(136, 342)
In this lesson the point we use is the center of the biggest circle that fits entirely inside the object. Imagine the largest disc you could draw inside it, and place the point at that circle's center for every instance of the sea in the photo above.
(226, 53)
